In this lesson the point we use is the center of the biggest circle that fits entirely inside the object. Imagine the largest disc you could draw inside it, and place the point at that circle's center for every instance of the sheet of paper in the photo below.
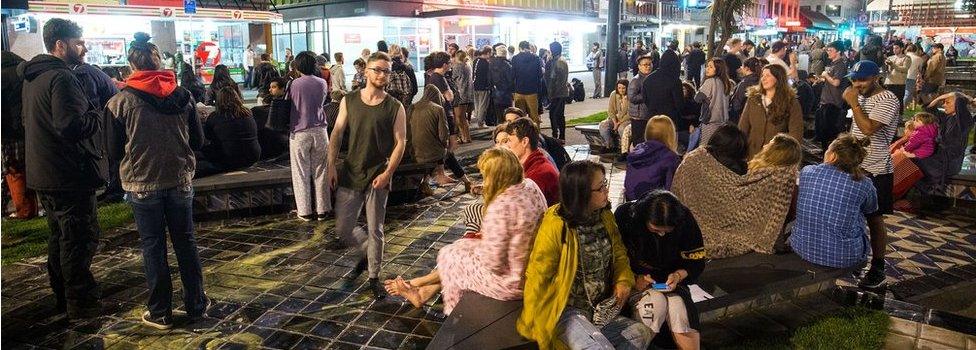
(698, 294)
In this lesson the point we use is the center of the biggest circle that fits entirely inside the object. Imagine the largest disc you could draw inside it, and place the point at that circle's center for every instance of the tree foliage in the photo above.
(725, 17)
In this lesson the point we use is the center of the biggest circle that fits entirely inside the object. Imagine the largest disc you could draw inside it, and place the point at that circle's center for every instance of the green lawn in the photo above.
(590, 119)
(850, 328)
(28, 238)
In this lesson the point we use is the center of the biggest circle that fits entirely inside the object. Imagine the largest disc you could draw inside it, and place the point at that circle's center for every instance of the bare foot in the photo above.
(391, 287)
(444, 179)
(412, 294)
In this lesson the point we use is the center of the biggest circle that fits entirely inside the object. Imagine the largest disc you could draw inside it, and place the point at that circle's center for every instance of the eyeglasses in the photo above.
(604, 187)
(380, 71)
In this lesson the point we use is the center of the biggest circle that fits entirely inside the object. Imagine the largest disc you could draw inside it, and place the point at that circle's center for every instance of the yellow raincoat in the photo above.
(550, 272)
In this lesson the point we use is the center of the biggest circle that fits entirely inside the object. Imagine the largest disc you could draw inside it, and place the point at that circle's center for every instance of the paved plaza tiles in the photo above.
(281, 283)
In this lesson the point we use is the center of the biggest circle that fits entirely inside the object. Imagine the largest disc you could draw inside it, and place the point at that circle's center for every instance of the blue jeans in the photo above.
(577, 332)
(155, 211)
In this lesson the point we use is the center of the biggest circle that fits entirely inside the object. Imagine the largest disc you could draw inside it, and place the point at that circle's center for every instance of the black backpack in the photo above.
(579, 93)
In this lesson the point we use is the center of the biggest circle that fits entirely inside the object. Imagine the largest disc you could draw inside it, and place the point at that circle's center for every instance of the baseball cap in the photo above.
(864, 69)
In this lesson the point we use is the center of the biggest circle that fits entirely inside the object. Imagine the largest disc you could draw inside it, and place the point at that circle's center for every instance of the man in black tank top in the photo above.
(377, 139)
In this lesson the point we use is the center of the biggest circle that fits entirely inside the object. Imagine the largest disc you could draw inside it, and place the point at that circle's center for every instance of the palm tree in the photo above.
(724, 13)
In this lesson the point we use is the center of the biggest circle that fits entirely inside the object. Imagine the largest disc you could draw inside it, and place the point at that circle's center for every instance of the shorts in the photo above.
(884, 184)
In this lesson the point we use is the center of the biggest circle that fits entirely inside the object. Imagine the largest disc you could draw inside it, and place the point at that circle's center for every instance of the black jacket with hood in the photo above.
(13, 121)
(64, 148)
(663, 94)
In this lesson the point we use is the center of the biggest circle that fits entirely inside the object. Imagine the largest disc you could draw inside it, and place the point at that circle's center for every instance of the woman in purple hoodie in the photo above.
(652, 163)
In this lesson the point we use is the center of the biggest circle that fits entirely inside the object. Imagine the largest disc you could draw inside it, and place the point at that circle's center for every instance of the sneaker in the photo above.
(163, 323)
(306, 218)
(206, 307)
(377, 288)
(324, 216)
(873, 278)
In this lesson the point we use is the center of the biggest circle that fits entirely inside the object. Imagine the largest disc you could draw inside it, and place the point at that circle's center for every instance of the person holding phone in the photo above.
(666, 252)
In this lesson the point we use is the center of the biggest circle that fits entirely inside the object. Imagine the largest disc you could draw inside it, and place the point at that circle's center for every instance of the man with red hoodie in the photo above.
(523, 140)
(155, 129)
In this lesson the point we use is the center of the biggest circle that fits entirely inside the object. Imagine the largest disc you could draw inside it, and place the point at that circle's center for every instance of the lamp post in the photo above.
(613, 44)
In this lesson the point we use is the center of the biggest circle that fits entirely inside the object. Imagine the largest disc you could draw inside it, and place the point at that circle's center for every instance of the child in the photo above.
(782, 150)
(921, 143)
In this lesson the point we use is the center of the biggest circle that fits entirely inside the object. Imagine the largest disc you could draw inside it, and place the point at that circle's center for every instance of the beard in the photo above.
(73, 57)
(379, 83)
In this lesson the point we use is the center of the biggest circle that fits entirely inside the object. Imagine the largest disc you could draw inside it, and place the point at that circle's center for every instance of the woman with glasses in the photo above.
(578, 272)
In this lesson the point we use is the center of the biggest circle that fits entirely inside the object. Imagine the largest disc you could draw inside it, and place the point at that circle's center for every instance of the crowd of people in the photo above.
(729, 133)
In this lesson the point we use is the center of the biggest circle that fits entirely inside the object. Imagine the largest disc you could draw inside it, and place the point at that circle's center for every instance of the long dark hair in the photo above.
(229, 101)
(575, 181)
(660, 208)
(722, 73)
(221, 78)
(728, 145)
(779, 110)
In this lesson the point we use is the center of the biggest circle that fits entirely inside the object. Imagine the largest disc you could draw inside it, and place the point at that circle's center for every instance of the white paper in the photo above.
(698, 294)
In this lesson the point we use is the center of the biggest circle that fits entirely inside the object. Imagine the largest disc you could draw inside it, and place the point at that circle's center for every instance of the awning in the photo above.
(816, 20)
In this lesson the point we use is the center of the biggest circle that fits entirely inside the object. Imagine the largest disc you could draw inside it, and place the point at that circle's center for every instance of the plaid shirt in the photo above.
(830, 227)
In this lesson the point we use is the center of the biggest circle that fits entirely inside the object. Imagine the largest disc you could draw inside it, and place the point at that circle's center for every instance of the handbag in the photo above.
(607, 309)
(907, 173)
(279, 113)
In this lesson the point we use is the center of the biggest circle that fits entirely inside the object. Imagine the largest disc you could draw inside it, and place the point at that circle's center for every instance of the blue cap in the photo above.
(864, 69)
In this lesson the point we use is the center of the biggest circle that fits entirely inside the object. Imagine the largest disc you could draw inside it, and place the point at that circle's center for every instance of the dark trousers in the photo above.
(637, 127)
(898, 90)
(155, 212)
(113, 189)
(74, 239)
(451, 163)
(557, 117)
(500, 113)
(695, 76)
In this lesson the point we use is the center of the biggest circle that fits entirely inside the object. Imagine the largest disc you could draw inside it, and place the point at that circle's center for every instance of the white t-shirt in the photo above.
(882, 108)
(248, 58)
(916, 65)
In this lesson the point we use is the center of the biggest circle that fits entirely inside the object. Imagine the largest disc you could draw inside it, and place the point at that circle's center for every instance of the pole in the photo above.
(660, 25)
(613, 46)
(888, 21)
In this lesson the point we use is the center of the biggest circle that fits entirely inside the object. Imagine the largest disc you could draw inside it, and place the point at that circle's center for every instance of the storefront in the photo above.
(423, 27)
(207, 38)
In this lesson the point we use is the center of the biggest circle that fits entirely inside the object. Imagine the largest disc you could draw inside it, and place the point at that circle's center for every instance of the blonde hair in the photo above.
(394, 50)
(501, 169)
(461, 55)
(661, 129)
(925, 118)
(782, 150)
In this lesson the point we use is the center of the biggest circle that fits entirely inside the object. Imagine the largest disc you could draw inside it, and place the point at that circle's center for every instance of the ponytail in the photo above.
(850, 152)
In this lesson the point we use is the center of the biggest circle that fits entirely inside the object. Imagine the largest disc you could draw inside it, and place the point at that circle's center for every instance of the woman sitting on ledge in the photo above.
(738, 212)
(834, 199)
(493, 264)
(664, 245)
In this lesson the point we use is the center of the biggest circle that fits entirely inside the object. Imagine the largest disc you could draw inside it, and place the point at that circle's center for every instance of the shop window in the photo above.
(833, 10)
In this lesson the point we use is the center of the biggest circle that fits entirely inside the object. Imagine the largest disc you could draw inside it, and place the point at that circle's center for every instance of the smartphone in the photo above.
(660, 286)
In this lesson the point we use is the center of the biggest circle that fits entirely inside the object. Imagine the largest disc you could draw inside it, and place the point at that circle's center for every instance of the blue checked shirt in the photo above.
(830, 227)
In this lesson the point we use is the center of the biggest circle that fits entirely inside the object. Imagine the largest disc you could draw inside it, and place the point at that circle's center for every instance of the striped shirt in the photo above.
(882, 108)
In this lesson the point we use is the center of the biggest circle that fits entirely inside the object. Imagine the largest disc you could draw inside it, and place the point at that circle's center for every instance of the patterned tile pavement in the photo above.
(280, 283)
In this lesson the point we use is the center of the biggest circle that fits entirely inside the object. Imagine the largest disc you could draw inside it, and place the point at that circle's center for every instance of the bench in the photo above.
(266, 188)
(736, 284)
(592, 134)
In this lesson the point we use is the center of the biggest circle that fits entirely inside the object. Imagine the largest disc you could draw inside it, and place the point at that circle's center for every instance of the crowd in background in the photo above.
(697, 135)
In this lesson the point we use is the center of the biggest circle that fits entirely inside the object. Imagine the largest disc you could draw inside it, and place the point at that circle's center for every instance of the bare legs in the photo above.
(418, 290)
(687, 341)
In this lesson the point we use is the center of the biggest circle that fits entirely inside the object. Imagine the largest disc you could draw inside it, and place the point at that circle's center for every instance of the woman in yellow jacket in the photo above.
(578, 264)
